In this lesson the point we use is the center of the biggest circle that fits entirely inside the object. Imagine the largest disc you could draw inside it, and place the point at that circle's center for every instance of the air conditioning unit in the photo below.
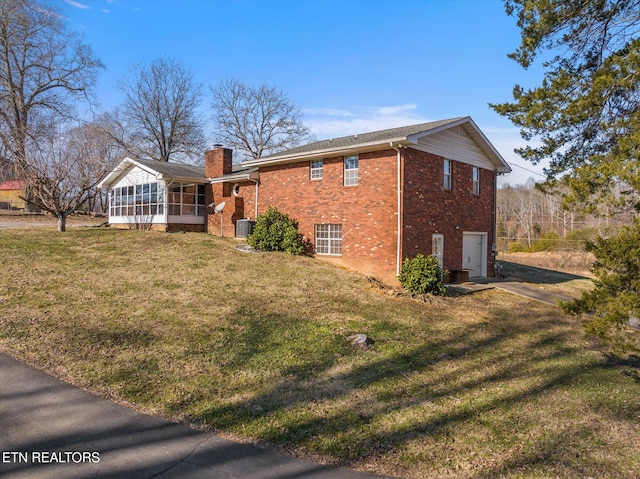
(244, 228)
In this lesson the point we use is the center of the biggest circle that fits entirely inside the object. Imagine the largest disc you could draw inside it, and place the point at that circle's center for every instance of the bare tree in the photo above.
(256, 121)
(159, 117)
(63, 172)
(44, 71)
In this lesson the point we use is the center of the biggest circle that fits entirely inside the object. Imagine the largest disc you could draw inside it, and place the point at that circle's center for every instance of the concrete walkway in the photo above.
(522, 289)
(50, 429)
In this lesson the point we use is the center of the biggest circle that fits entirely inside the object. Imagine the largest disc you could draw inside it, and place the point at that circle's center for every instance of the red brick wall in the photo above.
(367, 211)
(430, 209)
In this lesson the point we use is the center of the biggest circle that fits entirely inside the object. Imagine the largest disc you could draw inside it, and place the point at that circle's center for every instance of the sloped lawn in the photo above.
(253, 346)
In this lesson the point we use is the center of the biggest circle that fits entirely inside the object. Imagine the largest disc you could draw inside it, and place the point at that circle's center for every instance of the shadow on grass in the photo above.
(455, 389)
(532, 274)
(91, 437)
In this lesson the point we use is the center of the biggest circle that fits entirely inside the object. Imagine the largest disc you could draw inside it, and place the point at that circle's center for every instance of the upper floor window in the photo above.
(447, 175)
(350, 170)
(476, 180)
(316, 169)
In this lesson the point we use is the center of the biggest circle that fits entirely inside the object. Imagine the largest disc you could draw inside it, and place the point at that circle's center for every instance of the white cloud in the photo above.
(105, 10)
(332, 123)
(75, 4)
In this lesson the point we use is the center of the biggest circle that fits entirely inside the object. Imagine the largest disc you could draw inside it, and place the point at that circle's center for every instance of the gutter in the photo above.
(323, 152)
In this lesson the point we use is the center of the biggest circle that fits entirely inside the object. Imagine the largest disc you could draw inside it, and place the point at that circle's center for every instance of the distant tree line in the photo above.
(47, 73)
(531, 218)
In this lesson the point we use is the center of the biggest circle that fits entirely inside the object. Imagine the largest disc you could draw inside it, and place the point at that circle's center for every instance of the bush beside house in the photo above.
(276, 231)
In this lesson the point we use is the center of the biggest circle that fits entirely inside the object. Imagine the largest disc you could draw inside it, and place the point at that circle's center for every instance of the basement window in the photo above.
(328, 239)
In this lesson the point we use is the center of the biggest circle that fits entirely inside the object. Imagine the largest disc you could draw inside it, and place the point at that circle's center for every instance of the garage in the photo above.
(474, 253)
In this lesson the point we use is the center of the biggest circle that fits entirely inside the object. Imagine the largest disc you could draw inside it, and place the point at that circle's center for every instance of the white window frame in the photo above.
(437, 248)
(145, 199)
(328, 239)
(476, 180)
(186, 199)
(351, 164)
(315, 169)
(447, 183)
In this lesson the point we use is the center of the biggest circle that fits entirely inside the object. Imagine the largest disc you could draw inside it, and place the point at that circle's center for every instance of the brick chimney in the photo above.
(217, 162)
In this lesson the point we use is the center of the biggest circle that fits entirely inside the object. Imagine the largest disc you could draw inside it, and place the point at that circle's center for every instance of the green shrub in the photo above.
(517, 247)
(546, 242)
(422, 274)
(275, 231)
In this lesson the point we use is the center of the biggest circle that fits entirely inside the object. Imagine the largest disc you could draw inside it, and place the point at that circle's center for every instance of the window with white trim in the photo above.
(316, 169)
(328, 239)
(476, 180)
(447, 175)
(186, 199)
(351, 170)
(437, 248)
(137, 200)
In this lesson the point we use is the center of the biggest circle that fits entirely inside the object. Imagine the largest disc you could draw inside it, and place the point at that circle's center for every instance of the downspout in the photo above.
(494, 244)
(256, 205)
(399, 225)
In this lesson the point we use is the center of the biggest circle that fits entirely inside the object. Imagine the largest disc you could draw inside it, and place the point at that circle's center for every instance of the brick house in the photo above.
(369, 200)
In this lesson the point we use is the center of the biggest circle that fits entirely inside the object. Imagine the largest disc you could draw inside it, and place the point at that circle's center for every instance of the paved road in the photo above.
(9, 224)
(49, 429)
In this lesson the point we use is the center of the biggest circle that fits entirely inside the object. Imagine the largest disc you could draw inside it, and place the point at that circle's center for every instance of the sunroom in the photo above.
(149, 194)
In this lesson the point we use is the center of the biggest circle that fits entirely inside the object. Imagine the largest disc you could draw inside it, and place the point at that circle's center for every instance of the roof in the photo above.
(161, 169)
(237, 176)
(12, 185)
(393, 137)
(181, 170)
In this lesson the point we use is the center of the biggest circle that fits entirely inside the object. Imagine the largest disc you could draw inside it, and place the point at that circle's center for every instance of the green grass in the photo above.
(253, 346)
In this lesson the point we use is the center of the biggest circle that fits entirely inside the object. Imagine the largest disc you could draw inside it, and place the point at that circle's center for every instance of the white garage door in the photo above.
(473, 247)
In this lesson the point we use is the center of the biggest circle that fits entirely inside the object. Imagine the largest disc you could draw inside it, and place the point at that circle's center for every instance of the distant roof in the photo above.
(12, 185)
(361, 142)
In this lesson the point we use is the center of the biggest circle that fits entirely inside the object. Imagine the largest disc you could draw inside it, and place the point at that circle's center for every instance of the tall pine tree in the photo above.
(585, 118)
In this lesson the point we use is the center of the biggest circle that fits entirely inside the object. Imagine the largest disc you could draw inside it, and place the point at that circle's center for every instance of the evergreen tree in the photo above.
(585, 117)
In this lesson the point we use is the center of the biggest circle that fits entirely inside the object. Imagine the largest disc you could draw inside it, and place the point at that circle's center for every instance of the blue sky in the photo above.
(351, 66)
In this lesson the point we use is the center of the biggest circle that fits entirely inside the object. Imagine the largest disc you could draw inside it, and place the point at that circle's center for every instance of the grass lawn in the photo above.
(253, 346)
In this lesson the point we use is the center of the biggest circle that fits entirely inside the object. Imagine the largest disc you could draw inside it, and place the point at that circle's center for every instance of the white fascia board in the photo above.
(122, 169)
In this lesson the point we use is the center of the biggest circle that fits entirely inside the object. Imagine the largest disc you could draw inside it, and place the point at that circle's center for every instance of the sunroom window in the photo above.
(137, 200)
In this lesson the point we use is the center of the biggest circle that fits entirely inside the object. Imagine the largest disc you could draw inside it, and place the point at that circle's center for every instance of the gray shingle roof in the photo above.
(355, 140)
(181, 170)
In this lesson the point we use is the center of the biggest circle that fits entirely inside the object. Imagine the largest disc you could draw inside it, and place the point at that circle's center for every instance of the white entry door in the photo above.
(474, 254)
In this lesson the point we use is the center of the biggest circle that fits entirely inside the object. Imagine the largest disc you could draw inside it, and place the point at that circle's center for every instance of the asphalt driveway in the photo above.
(50, 429)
